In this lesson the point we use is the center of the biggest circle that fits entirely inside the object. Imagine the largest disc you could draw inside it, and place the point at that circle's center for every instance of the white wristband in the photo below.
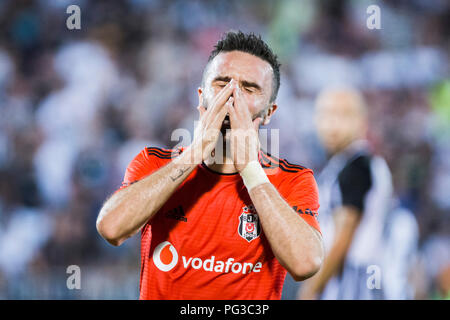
(253, 175)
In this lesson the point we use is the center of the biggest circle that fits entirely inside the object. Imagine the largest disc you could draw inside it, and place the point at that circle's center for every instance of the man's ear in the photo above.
(269, 113)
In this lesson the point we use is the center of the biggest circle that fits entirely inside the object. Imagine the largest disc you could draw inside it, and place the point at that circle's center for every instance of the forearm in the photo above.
(124, 213)
(297, 246)
(332, 264)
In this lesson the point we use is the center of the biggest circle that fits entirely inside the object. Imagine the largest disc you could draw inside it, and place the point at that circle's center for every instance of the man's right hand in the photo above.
(207, 131)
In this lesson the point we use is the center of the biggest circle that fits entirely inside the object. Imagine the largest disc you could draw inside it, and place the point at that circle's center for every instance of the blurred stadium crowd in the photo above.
(77, 105)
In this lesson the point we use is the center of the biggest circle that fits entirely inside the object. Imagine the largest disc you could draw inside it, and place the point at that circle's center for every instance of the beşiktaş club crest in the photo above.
(249, 227)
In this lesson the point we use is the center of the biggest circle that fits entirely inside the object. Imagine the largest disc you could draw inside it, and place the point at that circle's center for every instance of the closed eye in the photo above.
(221, 81)
(251, 87)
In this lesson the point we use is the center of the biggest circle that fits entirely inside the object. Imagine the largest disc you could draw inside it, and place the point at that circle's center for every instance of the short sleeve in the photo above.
(145, 163)
(355, 181)
(303, 197)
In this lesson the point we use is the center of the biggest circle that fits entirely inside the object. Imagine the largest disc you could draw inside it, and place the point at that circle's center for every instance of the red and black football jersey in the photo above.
(206, 241)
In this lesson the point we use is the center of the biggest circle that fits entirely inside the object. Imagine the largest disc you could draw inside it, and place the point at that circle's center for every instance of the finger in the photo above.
(220, 115)
(242, 107)
(256, 123)
(201, 111)
(231, 110)
(223, 111)
(222, 97)
(242, 111)
(238, 100)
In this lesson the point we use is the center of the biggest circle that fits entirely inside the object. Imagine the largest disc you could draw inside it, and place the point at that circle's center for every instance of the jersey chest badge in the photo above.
(249, 227)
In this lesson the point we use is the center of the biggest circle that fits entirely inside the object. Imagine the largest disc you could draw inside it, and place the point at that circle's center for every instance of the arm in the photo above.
(128, 210)
(297, 245)
(354, 181)
(346, 221)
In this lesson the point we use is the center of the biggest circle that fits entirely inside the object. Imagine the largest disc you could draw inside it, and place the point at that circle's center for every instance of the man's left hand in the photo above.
(244, 132)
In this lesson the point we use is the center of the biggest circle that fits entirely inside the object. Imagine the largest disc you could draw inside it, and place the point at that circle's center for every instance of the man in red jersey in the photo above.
(227, 229)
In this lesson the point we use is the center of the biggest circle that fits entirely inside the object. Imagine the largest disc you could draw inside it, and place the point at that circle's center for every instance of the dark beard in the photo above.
(225, 125)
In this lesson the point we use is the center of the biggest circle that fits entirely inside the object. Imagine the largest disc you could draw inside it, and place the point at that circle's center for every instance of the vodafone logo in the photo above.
(165, 257)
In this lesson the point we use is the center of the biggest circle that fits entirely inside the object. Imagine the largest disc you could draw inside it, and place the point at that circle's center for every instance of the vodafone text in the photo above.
(212, 265)
(165, 258)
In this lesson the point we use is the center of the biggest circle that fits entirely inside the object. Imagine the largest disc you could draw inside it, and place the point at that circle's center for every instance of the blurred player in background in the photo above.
(223, 227)
(400, 253)
(355, 191)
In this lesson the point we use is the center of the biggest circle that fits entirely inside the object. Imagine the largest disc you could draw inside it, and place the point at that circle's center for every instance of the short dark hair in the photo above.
(253, 44)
